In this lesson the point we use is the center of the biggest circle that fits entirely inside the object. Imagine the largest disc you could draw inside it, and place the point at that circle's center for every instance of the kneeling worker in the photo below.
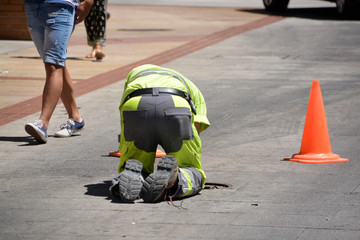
(160, 106)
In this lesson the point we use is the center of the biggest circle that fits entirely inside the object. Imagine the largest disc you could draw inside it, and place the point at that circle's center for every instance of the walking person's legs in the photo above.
(75, 122)
(50, 27)
(68, 97)
(52, 91)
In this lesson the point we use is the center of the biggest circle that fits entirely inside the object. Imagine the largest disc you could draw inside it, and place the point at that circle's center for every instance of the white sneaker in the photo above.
(70, 128)
(37, 131)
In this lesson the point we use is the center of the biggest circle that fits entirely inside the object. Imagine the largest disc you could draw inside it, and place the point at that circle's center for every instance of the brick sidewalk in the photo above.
(139, 38)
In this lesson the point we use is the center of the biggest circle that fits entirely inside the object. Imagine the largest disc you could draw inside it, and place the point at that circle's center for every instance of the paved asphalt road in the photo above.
(256, 86)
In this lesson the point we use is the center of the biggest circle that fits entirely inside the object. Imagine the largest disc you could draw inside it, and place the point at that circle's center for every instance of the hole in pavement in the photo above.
(210, 185)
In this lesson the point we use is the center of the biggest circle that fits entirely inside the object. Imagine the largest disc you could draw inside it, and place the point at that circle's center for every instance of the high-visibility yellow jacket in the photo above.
(152, 76)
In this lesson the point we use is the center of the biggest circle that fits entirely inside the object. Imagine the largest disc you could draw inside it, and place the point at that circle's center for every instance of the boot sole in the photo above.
(129, 182)
(156, 184)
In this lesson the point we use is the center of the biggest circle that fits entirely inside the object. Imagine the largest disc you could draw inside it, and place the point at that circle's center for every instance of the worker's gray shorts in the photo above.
(157, 121)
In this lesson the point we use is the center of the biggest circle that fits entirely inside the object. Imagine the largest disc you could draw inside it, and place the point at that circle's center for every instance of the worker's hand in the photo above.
(83, 10)
(198, 127)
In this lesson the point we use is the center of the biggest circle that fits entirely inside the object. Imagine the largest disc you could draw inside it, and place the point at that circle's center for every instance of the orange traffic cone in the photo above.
(315, 145)
(115, 153)
(159, 153)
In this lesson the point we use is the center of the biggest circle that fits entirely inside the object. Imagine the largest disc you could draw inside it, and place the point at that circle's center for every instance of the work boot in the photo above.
(158, 183)
(130, 181)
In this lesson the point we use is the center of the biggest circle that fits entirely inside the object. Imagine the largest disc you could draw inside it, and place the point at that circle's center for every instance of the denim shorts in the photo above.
(50, 27)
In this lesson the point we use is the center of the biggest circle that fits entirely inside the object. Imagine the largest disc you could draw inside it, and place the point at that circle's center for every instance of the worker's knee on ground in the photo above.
(190, 182)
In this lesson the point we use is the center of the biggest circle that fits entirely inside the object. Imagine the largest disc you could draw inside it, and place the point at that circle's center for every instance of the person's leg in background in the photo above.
(95, 24)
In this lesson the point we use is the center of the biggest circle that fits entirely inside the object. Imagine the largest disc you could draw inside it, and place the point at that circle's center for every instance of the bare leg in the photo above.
(52, 91)
(68, 98)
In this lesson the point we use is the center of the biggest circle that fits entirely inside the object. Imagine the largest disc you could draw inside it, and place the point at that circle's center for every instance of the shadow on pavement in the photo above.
(68, 58)
(305, 13)
(101, 190)
(98, 189)
(28, 140)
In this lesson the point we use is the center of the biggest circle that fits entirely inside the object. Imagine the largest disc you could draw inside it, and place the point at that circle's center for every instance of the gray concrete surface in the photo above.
(256, 86)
